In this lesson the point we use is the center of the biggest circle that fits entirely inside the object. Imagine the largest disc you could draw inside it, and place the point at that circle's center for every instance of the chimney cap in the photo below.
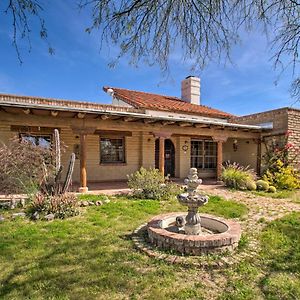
(191, 76)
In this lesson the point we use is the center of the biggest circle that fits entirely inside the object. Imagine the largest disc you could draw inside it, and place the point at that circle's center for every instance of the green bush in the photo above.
(61, 206)
(262, 185)
(251, 185)
(272, 189)
(236, 176)
(283, 177)
(151, 184)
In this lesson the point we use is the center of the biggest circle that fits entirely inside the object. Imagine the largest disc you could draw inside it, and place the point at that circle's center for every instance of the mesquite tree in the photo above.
(205, 30)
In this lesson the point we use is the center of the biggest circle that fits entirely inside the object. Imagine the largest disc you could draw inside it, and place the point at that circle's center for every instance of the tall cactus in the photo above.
(54, 186)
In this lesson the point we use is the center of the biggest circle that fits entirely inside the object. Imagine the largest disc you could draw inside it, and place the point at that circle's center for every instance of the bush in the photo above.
(23, 167)
(262, 185)
(283, 177)
(61, 206)
(272, 189)
(236, 176)
(151, 184)
(251, 185)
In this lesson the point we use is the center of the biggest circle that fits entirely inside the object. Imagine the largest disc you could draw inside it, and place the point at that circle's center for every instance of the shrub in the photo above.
(61, 206)
(272, 189)
(251, 185)
(23, 166)
(283, 177)
(236, 176)
(262, 185)
(151, 184)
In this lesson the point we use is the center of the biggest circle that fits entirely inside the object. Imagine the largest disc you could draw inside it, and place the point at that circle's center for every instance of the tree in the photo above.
(20, 11)
(204, 30)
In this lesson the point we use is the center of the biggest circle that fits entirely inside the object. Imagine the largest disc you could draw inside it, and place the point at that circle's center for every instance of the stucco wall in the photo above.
(246, 154)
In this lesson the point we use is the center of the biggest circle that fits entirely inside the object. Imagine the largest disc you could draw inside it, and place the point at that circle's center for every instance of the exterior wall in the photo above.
(294, 136)
(140, 147)
(278, 117)
(246, 154)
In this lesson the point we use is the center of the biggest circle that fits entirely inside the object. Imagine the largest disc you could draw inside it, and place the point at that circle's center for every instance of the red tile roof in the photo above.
(144, 100)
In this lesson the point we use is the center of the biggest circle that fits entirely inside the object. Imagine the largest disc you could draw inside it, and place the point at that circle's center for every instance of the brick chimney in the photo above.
(190, 90)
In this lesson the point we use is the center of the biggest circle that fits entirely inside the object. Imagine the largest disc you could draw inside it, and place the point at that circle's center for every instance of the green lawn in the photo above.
(92, 257)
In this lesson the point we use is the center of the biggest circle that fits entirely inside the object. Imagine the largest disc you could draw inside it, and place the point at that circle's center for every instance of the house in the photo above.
(144, 129)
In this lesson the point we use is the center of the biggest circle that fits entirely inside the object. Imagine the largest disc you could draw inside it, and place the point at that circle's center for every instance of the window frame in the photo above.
(202, 157)
(37, 135)
(107, 163)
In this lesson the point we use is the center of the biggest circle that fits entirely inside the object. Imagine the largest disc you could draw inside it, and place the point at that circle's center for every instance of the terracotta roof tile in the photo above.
(144, 100)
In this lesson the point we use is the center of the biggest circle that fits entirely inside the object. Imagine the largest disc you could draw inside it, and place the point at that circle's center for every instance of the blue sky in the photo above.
(78, 70)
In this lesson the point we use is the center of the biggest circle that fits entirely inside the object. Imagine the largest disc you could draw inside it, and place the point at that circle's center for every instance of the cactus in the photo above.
(262, 185)
(272, 189)
(251, 185)
(53, 185)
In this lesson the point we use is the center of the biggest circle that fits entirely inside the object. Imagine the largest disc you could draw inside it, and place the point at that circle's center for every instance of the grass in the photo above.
(92, 257)
(275, 273)
(279, 194)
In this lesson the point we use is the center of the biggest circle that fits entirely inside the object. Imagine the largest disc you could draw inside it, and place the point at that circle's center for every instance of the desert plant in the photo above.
(272, 189)
(61, 206)
(251, 185)
(236, 176)
(151, 184)
(52, 184)
(262, 185)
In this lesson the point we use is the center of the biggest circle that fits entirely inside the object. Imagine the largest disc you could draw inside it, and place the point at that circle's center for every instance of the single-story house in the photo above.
(144, 129)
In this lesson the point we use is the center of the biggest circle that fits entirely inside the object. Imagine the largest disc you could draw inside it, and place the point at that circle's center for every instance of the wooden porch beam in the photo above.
(149, 121)
(185, 124)
(164, 123)
(83, 156)
(161, 159)
(129, 119)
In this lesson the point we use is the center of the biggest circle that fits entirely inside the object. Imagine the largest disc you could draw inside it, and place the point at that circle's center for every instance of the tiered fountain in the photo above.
(189, 233)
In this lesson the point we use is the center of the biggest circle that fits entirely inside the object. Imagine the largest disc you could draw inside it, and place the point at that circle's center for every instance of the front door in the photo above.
(169, 157)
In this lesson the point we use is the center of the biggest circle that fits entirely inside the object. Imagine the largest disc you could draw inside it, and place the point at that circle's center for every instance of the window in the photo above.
(112, 150)
(203, 154)
(37, 140)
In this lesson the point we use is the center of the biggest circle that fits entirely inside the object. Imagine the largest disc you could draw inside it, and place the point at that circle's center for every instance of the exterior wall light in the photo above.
(185, 147)
(235, 145)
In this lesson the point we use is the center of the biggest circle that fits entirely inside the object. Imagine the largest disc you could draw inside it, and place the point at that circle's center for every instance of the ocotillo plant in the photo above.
(53, 184)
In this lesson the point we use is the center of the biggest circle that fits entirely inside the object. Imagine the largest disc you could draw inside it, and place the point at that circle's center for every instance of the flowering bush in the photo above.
(238, 177)
(151, 184)
(279, 160)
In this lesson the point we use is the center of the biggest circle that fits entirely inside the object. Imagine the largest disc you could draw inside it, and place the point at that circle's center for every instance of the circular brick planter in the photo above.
(226, 235)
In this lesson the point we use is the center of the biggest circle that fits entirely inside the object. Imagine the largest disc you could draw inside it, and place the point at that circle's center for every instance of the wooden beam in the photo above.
(185, 124)
(105, 133)
(161, 159)
(149, 121)
(81, 115)
(164, 123)
(54, 113)
(104, 117)
(83, 155)
(129, 119)
(219, 160)
(27, 111)
(202, 125)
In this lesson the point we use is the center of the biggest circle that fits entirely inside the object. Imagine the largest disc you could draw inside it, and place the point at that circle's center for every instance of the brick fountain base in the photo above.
(219, 235)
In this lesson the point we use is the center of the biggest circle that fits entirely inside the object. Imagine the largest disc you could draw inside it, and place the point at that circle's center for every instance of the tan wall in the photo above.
(246, 154)
(294, 136)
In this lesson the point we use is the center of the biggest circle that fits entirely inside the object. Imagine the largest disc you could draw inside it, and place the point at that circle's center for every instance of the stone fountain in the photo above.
(188, 233)
(193, 200)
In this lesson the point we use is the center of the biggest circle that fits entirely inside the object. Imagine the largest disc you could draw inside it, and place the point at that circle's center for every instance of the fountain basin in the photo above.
(219, 235)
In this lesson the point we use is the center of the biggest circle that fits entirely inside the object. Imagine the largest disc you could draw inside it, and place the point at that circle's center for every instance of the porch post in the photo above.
(83, 154)
(258, 162)
(161, 159)
(219, 159)
(219, 140)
